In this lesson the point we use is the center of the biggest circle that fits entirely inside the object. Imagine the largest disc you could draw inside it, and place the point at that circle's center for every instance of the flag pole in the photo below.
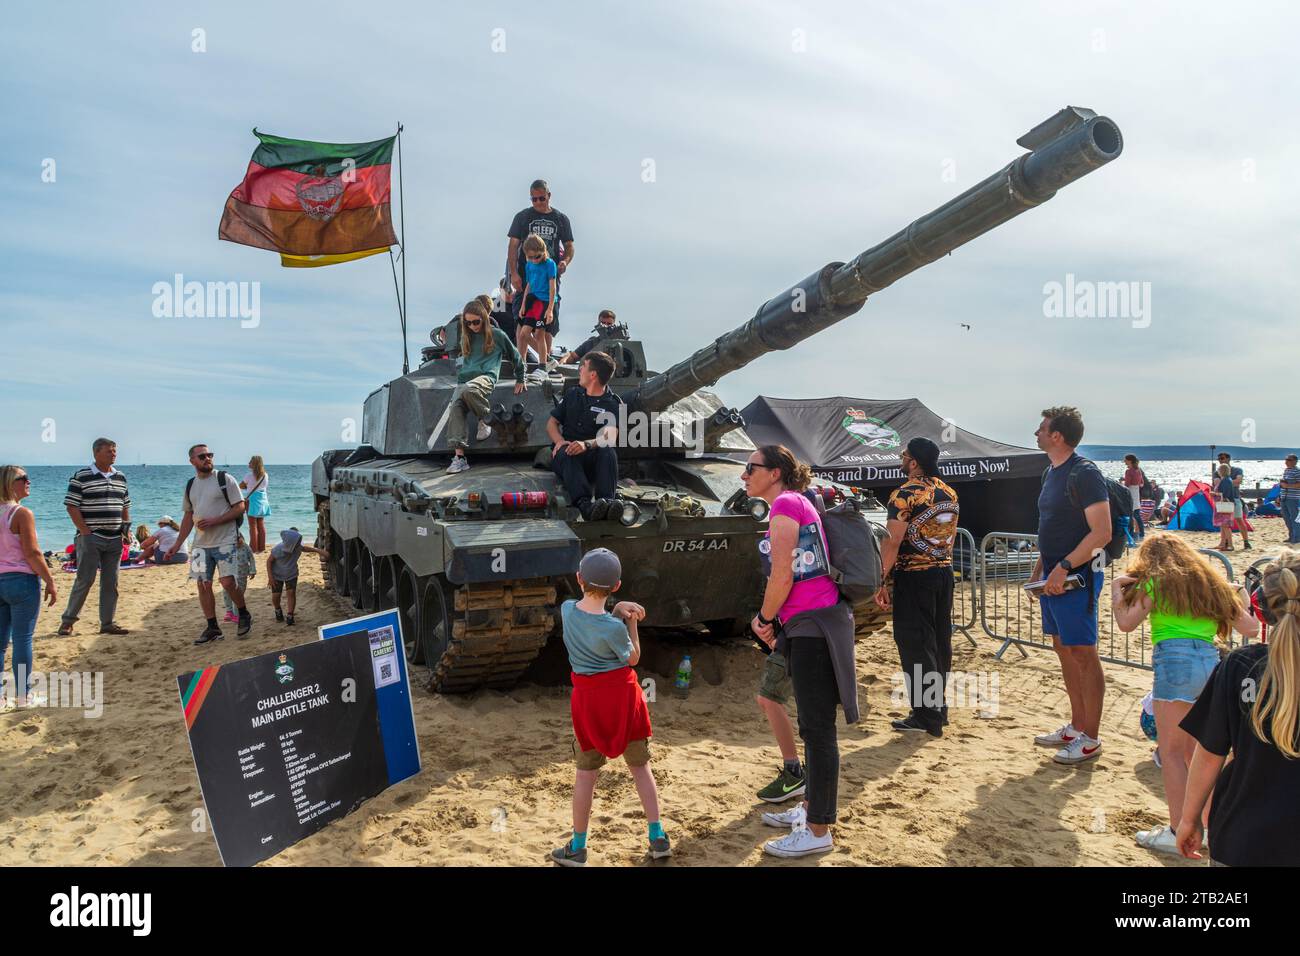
(401, 200)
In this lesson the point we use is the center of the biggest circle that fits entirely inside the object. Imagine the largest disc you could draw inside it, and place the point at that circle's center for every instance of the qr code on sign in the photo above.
(385, 671)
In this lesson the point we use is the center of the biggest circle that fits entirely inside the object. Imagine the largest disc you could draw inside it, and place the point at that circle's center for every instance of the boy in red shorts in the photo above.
(610, 718)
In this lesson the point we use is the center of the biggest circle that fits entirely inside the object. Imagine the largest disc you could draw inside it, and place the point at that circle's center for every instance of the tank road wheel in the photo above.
(435, 620)
(386, 572)
(355, 547)
(343, 558)
(408, 610)
(363, 577)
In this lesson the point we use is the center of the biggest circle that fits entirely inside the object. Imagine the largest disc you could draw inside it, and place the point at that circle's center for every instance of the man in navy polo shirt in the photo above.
(1073, 529)
(583, 430)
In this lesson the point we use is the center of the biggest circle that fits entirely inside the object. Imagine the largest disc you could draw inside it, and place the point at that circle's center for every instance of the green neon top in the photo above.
(1166, 626)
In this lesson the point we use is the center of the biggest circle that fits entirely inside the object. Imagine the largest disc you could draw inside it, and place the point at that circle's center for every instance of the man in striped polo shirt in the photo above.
(1290, 500)
(100, 506)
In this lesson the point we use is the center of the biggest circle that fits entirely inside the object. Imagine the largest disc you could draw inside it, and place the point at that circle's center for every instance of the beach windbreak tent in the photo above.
(1195, 510)
(857, 441)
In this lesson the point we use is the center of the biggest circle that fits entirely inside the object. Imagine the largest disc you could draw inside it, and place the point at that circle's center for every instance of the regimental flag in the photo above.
(314, 203)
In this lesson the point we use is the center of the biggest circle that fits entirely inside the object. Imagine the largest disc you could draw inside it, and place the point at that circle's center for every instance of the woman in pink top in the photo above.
(799, 581)
(1134, 479)
(21, 571)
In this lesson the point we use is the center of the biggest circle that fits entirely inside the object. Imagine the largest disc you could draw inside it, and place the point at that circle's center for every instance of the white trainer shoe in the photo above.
(484, 431)
(1160, 839)
(791, 818)
(458, 464)
(800, 842)
(1078, 750)
(1057, 738)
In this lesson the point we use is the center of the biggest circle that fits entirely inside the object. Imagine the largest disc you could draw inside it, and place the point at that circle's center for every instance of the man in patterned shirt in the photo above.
(100, 507)
(922, 526)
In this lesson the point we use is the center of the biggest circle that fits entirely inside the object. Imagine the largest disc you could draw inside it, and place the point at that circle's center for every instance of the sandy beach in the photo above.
(121, 789)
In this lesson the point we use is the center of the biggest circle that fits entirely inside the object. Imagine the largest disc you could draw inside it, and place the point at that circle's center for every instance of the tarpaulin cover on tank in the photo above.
(857, 441)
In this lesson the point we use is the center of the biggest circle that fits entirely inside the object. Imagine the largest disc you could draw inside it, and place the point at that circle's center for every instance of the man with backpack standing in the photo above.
(214, 505)
(1075, 528)
(922, 525)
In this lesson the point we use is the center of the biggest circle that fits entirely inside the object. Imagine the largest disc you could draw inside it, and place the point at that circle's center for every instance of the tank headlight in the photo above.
(630, 514)
(757, 508)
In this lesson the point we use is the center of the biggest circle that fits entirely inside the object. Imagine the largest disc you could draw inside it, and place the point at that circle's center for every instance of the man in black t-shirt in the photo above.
(583, 429)
(552, 226)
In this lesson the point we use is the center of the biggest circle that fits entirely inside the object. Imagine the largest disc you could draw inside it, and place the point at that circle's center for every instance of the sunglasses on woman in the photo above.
(473, 323)
(750, 466)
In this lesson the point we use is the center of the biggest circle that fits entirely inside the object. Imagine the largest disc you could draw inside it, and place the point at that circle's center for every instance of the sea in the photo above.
(1174, 475)
(156, 490)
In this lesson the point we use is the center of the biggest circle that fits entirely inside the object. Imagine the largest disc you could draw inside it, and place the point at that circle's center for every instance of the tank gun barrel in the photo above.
(1063, 148)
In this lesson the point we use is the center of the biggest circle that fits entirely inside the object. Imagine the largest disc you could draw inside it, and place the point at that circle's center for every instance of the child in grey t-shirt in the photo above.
(282, 571)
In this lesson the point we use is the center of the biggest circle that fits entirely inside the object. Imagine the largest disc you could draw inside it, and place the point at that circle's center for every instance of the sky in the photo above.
(780, 137)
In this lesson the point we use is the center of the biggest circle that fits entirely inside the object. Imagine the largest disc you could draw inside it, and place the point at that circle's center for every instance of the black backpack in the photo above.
(221, 483)
(1121, 508)
(853, 548)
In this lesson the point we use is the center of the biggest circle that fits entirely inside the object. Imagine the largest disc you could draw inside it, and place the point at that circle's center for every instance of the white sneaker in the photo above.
(1078, 750)
(458, 464)
(35, 700)
(791, 818)
(552, 365)
(800, 843)
(1160, 839)
(484, 431)
(536, 376)
(1057, 738)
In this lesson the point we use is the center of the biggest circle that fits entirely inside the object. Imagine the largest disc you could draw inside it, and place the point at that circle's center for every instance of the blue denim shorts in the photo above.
(1182, 667)
(1072, 616)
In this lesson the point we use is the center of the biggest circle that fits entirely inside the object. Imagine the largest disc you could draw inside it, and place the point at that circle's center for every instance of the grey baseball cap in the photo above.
(601, 568)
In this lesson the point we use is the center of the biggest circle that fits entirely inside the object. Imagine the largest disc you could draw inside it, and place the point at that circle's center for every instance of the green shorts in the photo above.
(775, 684)
(637, 754)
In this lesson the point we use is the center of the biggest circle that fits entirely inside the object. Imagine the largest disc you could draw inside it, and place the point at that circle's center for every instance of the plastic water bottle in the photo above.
(682, 682)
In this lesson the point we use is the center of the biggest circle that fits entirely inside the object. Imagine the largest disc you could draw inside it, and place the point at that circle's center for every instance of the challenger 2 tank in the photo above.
(477, 570)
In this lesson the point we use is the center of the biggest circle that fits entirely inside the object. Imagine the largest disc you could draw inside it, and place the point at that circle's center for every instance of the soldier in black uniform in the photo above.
(583, 429)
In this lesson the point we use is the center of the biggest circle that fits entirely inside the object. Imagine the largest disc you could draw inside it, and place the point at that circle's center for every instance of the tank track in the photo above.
(323, 541)
(497, 631)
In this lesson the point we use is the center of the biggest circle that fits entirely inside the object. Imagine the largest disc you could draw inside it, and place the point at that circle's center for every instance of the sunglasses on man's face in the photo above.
(206, 456)
(537, 198)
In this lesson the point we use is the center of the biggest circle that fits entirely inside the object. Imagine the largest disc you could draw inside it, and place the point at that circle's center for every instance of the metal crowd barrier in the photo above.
(1010, 614)
(965, 589)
